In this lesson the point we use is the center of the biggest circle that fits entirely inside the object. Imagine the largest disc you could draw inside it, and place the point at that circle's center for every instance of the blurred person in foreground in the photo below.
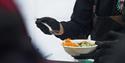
(15, 44)
(101, 19)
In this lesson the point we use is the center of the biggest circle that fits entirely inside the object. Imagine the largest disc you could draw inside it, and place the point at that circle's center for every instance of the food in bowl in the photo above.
(81, 43)
(77, 47)
(68, 42)
(86, 44)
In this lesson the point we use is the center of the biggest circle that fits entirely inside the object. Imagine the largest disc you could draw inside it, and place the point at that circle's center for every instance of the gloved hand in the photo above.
(45, 22)
(103, 46)
(115, 53)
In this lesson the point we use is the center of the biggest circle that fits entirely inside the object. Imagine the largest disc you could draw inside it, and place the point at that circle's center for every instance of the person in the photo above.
(15, 44)
(82, 23)
(96, 18)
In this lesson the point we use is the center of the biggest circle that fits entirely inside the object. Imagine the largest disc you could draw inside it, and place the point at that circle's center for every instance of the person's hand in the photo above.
(104, 46)
(114, 53)
(48, 25)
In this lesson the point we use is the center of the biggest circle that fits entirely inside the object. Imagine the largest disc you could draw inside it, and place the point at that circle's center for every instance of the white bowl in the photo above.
(75, 51)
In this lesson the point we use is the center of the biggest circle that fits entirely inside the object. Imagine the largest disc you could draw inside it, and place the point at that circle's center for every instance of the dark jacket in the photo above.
(83, 21)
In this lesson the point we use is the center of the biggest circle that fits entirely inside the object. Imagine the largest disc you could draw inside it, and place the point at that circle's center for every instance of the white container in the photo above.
(75, 51)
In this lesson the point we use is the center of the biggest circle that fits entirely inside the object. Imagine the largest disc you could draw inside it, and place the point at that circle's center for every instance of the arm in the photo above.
(79, 26)
(81, 21)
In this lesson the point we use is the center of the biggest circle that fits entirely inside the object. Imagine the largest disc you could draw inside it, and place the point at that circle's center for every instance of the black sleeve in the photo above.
(80, 24)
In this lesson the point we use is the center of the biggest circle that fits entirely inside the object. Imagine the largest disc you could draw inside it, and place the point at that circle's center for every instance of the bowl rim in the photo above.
(81, 47)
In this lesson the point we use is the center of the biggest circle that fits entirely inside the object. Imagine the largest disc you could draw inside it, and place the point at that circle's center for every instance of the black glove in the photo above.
(102, 46)
(51, 22)
(115, 53)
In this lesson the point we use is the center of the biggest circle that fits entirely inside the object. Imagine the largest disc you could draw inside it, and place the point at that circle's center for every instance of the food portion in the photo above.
(85, 43)
(70, 43)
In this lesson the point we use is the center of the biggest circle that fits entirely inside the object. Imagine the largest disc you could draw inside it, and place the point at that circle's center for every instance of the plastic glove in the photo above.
(45, 22)
(103, 46)
(115, 53)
